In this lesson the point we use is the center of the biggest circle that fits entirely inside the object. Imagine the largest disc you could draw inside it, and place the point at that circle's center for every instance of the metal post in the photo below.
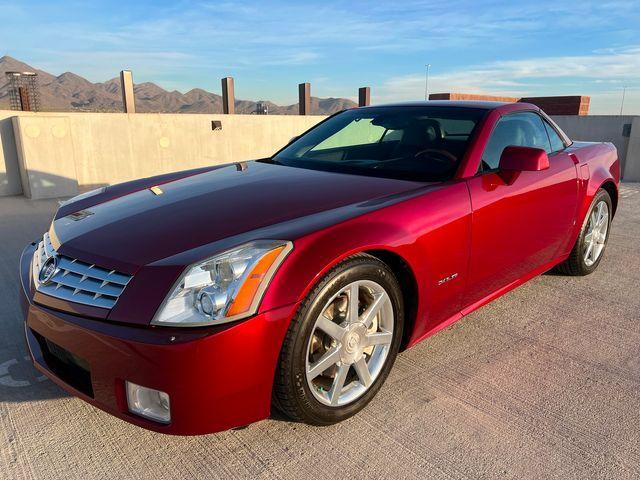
(126, 85)
(304, 98)
(426, 82)
(25, 104)
(364, 96)
(228, 96)
(624, 90)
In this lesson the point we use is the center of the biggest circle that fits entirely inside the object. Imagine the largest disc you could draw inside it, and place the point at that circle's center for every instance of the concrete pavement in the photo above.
(542, 383)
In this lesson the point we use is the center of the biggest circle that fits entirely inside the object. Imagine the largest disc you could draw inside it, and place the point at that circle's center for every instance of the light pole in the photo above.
(426, 81)
(624, 90)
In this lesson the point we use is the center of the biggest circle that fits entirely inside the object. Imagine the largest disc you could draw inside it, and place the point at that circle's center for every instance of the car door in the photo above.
(520, 222)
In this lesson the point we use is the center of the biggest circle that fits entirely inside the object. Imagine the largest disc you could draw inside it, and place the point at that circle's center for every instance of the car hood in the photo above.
(139, 227)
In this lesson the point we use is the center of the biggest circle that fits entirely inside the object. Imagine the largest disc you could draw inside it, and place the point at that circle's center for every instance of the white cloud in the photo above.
(585, 74)
(266, 44)
(610, 102)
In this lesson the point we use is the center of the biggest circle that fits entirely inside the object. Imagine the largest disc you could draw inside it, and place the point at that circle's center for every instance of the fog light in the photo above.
(148, 403)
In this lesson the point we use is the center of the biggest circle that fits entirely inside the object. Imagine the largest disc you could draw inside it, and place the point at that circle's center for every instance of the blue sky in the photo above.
(521, 48)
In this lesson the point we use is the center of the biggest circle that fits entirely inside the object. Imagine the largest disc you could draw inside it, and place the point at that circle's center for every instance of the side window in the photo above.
(522, 129)
(556, 142)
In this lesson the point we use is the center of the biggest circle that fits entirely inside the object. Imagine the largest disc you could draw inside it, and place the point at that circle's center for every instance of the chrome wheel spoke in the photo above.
(328, 359)
(587, 254)
(379, 338)
(601, 213)
(597, 250)
(338, 384)
(354, 293)
(330, 327)
(362, 369)
(604, 227)
(373, 309)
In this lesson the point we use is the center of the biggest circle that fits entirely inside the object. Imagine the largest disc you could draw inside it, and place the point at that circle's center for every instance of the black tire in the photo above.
(575, 265)
(291, 393)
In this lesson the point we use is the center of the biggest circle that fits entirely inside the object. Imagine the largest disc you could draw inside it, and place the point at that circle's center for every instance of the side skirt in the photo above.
(492, 296)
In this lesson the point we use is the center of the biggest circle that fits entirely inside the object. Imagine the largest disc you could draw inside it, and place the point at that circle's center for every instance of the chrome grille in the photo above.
(77, 281)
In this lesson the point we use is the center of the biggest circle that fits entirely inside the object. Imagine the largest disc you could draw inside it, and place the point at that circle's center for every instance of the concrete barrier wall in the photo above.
(45, 155)
(58, 154)
(632, 167)
(623, 131)
(9, 171)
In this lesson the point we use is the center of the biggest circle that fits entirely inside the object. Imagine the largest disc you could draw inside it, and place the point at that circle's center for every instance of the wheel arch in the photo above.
(409, 287)
(398, 263)
(600, 178)
(315, 255)
(610, 187)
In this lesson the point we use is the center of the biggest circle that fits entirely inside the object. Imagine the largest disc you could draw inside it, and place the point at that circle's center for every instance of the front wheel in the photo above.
(341, 344)
(589, 248)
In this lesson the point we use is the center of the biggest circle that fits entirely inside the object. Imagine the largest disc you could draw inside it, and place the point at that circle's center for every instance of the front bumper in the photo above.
(217, 378)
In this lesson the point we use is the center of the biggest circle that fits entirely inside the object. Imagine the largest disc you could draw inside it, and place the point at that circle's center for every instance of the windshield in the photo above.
(414, 143)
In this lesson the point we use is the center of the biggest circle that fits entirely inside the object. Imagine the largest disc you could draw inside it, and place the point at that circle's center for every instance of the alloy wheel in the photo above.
(349, 343)
(596, 236)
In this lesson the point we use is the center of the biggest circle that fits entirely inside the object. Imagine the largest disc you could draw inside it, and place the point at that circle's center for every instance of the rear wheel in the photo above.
(341, 344)
(589, 248)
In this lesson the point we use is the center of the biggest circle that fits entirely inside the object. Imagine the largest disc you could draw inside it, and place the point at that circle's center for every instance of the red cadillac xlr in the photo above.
(193, 302)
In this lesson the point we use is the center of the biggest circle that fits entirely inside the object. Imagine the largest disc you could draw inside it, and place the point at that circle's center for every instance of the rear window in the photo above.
(457, 127)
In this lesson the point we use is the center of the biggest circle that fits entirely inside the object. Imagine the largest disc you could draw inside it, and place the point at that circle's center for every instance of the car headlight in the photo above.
(223, 288)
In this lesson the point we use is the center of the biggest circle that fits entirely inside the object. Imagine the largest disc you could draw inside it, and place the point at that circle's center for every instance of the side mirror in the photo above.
(523, 159)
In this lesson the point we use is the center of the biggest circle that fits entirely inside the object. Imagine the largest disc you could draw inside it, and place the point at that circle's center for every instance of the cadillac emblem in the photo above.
(47, 271)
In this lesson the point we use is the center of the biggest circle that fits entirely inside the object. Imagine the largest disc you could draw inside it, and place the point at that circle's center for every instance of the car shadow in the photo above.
(554, 273)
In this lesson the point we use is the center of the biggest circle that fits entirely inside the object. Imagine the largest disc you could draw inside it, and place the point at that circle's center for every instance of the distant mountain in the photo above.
(71, 92)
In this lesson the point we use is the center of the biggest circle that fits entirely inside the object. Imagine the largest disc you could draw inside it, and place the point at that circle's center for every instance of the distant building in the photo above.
(262, 108)
(563, 105)
(23, 91)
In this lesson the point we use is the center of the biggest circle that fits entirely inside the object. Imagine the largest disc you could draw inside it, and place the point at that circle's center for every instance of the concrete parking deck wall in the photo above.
(46, 155)
(59, 154)
(9, 171)
(621, 130)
